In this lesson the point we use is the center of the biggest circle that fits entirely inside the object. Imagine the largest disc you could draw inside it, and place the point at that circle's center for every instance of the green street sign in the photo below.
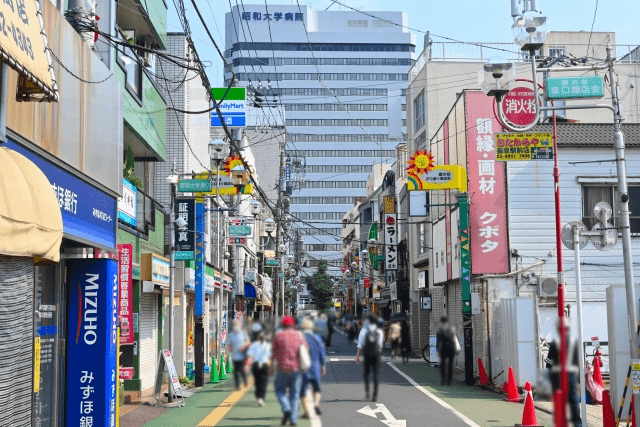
(272, 263)
(574, 87)
(183, 255)
(239, 230)
(194, 185)
(379, 257)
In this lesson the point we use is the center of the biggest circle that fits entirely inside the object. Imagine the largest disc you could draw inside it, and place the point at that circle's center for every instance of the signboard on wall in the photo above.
(127, 203)
(524, 146)
(233, 108)
(92, 342)
(391, 241)
(422, 279)
(487, 189)
(185, 240)
(125, 300)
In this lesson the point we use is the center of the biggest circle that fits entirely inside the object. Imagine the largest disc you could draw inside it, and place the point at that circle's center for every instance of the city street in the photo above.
(402, 401)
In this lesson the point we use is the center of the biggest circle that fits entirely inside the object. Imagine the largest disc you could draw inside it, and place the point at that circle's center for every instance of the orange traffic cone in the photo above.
(484, 380)
(529, 418)
(597, 373)
(609, 419)
(512, 388)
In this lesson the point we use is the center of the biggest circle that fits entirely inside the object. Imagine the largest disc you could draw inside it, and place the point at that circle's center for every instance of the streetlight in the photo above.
(255, 207)
(530, 31)
(269, 225)
(497, 77)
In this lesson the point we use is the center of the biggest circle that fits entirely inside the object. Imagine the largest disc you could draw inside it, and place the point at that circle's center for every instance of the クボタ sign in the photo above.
(233, 108)
(573, 87)
(22, 47)
(194, 185)
(519, 106)
(524, 146)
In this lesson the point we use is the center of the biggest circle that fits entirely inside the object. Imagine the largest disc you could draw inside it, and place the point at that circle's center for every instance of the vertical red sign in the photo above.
(447, 201)
(125, 300)
(367, 282)
(487, 189)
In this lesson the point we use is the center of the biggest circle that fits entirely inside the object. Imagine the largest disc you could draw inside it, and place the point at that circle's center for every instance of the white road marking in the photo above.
(436, 399)
(389, 420)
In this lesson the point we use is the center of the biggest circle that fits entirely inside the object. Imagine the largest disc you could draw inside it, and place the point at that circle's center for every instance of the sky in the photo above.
(465, 20)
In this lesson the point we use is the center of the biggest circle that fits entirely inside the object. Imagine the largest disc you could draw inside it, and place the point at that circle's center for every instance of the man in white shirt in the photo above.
(370, 344)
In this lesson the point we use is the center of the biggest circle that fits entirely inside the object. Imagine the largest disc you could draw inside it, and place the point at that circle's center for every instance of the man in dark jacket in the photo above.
(446, 348)
(573, 371)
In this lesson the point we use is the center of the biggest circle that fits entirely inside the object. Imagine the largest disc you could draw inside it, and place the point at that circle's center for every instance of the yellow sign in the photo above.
(22, 40)
(524, 146)
(445, 177)
(224, 186)
(389, 204)
(36, 365)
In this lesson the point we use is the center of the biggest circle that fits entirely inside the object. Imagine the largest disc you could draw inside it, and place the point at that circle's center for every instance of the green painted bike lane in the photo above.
(245, 412)
(484, 407)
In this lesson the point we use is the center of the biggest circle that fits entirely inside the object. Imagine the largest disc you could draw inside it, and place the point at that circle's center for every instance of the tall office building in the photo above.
(341, 78)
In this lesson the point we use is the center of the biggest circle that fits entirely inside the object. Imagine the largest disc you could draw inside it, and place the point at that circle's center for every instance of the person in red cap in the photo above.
(285, 351)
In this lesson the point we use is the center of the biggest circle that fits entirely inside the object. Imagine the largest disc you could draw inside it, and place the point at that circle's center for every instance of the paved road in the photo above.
(343, 394)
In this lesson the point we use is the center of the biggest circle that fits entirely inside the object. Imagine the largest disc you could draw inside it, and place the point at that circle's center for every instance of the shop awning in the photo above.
(266, 301)
(249, 291)
(30, 218)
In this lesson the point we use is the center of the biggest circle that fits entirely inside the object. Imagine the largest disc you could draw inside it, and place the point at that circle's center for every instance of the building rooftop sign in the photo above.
(23, 46)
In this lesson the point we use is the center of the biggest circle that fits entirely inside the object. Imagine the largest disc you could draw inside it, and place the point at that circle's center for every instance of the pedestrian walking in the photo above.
(370, 342)
(289, 351)
(405, 341)
(394, 339)
(447, 348)
(573, 372)
(258, 356)
(318, 368)
(239, 343)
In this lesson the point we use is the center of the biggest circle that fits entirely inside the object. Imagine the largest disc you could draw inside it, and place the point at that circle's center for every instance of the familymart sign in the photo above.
(233, 108)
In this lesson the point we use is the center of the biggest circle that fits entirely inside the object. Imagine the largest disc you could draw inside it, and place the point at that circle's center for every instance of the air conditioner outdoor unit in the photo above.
(548, 286)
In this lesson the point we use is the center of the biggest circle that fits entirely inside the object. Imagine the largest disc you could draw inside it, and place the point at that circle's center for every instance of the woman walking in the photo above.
(314, 373)
(259, 354)
(239, 342)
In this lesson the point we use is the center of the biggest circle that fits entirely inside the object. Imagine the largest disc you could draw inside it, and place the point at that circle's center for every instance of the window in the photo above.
(419, 112)
(422, 230)
(592, 194)
(556, 51)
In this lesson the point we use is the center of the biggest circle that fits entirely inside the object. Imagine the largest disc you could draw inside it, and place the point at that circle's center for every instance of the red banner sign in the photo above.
(126, 373)
(125, 296)
(367, 282)
(487, 189)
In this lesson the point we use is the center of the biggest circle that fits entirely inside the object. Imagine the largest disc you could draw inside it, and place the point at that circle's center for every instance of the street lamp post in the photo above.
(530, 33)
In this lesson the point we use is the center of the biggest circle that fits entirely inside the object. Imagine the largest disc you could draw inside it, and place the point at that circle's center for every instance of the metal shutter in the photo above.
(148, 339)
(16, 336)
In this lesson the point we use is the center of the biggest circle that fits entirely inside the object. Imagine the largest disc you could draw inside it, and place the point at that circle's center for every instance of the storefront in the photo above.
(64, 244)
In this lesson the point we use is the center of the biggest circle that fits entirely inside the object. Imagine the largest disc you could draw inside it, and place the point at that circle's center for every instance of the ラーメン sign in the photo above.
(524, 146)
(22, 45)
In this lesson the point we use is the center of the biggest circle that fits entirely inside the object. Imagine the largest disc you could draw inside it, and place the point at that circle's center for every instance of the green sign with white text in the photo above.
(194, 185)
(574, 87)
(272, 262)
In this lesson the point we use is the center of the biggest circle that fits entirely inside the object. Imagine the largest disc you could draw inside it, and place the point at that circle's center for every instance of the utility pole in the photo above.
(279, 237)
(172, 179)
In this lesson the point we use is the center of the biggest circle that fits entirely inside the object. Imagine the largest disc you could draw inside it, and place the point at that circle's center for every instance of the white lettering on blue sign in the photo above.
(91, 314)
(114, 316)
(67, 199)
(101, 215)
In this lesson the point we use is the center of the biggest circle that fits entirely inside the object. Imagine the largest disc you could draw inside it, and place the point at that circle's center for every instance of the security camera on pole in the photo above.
(575, 236)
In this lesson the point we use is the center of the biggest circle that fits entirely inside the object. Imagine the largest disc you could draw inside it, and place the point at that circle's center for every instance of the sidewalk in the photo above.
(484, 407)
(211, 405)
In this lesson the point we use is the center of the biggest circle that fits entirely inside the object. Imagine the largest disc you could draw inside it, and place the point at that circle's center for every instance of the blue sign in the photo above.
(88, 214)
(200, 260)
(249, 291)
(127, 203)
(92, 342)
(230, 119)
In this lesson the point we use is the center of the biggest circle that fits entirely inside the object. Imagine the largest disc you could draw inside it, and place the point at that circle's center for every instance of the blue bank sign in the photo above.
(92, 342)
(88, 214)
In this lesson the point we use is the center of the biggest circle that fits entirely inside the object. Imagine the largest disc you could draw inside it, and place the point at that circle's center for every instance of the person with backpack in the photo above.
(313, 376)
(370, 342)
(447, 346)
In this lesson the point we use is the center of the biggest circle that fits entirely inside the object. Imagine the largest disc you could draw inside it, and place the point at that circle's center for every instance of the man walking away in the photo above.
(285, 350)
(259, 354)
(370, 344)
(405, 342)
(394, 338)
(239, 342)
(446, 348)
(317, 369)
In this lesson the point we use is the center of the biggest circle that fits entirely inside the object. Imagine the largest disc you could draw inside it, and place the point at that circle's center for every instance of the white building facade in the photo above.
(341, 78)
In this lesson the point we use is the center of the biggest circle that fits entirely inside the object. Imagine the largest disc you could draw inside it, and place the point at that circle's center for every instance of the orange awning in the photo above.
(30, 218)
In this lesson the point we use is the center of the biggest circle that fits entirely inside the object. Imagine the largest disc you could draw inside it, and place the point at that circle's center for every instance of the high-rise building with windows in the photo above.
(341, 78)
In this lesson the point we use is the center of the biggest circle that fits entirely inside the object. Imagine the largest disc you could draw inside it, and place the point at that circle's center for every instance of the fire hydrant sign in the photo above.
(21, 40)
(524, 146)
